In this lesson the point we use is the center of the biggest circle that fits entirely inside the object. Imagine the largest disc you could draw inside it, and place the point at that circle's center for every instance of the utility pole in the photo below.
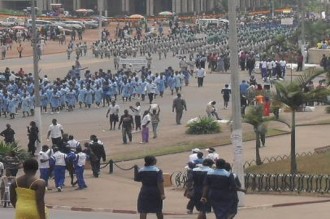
(100, 7)
(303, 32)
(236, 135)
(37, 108)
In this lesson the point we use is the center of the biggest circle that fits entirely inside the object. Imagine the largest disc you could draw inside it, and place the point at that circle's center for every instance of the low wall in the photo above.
(315, 55)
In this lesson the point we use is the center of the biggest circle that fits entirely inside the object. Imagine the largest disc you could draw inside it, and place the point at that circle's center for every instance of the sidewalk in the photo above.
(118, 191)
(112, 193)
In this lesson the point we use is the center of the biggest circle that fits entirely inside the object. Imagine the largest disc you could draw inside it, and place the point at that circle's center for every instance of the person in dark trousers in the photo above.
(55, 131)
(96, 152)
(33, 133)
(8, 134)
(179, 105)
(128, 125)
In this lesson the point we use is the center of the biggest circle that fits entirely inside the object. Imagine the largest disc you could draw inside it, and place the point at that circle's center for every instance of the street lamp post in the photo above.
(37, 109)
(236, 99)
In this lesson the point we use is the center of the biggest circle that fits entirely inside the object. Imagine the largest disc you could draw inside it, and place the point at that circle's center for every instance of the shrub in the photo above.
(202, 126)
(6, 148)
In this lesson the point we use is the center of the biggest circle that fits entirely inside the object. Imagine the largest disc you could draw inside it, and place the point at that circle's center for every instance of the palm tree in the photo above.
(294, 96)
(254, 117)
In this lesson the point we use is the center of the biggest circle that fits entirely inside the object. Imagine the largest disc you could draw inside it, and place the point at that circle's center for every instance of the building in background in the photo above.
(144, 7)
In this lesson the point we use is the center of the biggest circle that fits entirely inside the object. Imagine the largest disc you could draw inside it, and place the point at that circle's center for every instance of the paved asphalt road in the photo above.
(321, 211)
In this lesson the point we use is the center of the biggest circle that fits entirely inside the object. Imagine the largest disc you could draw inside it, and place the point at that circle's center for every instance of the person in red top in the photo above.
(21, 73)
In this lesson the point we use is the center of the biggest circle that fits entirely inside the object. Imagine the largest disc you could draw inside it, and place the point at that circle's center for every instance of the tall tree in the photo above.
(294, 96)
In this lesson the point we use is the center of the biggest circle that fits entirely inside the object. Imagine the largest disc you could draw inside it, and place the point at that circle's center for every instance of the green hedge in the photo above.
(202, 126)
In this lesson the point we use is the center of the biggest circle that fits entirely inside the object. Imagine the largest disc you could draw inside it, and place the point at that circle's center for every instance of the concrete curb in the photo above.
(123, 211)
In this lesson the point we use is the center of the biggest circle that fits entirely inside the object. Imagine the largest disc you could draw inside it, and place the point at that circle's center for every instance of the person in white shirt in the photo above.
(193, 156)
(59, 169)
(212, 154)
(80, 161)
(73, 143)
(55, 131)
(137, 115)
(145, 129)
(113, 110)
(44, 163)
(200, 74)
(211, 111)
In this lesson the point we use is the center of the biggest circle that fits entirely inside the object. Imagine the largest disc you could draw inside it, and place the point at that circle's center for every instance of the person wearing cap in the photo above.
(193, 156)
(212, 154)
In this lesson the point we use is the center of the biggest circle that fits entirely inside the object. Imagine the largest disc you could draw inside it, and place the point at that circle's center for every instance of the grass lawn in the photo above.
(314, 164)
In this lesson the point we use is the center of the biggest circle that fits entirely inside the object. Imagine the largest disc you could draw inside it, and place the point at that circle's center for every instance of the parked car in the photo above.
(76, 24)
(39, 23)
(91, 24)
(9, 22)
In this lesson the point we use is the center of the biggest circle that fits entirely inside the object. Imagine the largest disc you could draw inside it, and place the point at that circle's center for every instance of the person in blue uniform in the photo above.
(218, 188)
(152, 194)
(198, 175)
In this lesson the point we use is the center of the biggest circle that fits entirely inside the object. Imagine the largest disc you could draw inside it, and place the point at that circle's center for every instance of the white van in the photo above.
(39, 23)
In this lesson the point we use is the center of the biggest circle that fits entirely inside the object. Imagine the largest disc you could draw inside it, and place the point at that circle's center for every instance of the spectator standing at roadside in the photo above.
(55, 131)
(179, 105)
(8, 134)
(128, 125)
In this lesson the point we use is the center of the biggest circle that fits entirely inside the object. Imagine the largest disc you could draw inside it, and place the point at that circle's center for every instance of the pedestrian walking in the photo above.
(96, 152)
(152, 193)
(145, 129)
(137, 115)
(179, 105)
(113, 110)
(128, 125)
(55, 131)
(44, 163)
(226, 91)
(33, 133)
(79, 167)
(154, 114)
(59, 168)
(20, 50)
(218, 187)
(200, 75)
